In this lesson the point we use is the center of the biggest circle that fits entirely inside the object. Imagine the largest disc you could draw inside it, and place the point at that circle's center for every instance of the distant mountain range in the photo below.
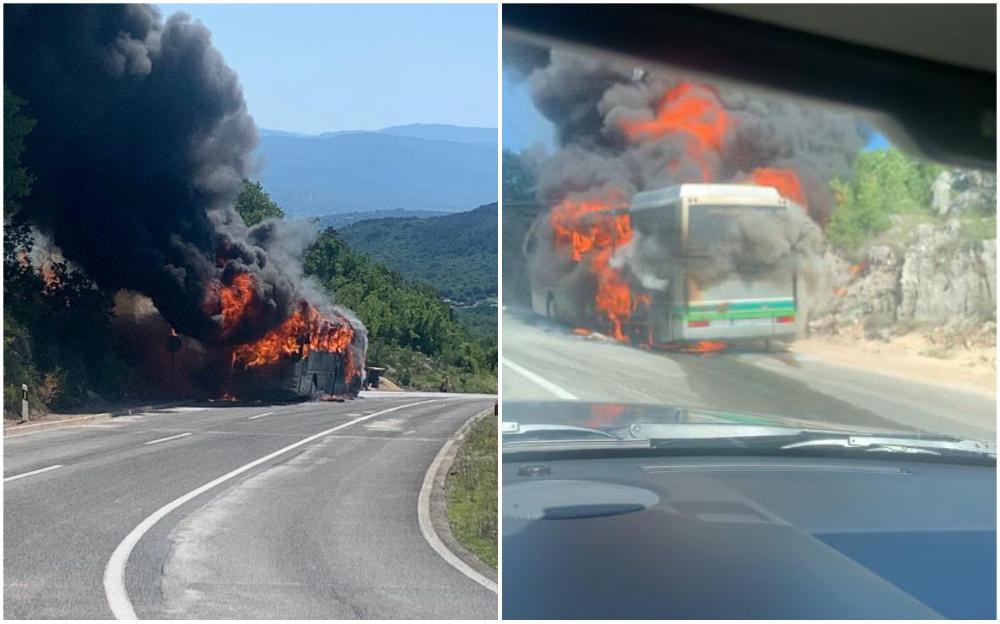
(419, 167)
(344, 219)
(455, 253)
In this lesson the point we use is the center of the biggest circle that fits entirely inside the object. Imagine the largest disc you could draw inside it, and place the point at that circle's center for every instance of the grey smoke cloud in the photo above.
(587, 98)
(142, 142)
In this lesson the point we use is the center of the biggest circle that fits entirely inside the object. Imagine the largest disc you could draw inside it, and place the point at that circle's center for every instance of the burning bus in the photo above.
(317, 375)
(309, 356)
(682, 264)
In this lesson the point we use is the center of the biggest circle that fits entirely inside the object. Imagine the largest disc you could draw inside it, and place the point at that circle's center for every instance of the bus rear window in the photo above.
(707, 225)
(741, 289)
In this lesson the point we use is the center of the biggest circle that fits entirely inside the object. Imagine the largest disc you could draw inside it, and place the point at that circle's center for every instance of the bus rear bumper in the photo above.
(727, 330)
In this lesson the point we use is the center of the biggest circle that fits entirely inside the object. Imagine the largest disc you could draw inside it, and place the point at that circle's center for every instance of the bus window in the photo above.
(708, 225)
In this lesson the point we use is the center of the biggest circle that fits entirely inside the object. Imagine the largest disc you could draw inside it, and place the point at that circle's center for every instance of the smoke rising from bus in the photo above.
(621, 130)
(639, 130)
(142, 144)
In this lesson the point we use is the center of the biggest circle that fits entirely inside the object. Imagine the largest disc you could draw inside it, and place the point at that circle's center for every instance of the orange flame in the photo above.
(692, 110)
(591, 227)
(234, 299)
(786, 181)
(705, 346)
(302, 332)
(586, 225)
(855, 270)
(49, 276)
(581, 331)
(604, 413)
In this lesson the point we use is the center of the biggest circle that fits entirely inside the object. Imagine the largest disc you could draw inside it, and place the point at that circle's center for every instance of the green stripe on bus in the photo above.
(708, 315)
(744, 305)
(737, 310)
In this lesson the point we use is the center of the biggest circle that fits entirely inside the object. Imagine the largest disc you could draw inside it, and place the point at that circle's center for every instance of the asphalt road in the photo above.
(325, 530)
(545, 361)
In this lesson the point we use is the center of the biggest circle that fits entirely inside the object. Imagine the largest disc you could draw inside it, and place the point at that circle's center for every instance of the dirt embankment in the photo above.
(964, 360)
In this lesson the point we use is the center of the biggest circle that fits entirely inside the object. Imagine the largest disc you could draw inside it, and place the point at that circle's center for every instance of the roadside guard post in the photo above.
(24, 402)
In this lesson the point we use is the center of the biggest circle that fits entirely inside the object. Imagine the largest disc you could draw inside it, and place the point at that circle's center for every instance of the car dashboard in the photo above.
(747, 538)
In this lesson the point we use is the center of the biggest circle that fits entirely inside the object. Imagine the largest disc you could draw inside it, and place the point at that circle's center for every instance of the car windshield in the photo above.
(799, 271)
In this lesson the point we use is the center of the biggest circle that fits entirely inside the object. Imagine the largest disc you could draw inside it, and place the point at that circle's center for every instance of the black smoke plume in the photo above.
(590, 99)
(587, 97)
(142, 142)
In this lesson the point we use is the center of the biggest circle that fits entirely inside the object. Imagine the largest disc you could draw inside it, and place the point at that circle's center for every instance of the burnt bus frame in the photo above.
(677, 296)
(292, 381)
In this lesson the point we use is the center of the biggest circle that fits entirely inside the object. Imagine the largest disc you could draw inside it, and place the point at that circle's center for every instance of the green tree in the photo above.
(16, 126)
(411, 330)
(255, 205)
(885, 182)
(57, 327)
(518, 178)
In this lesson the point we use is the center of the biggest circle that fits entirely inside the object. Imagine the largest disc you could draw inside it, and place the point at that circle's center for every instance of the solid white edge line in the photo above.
(539, 380)
(33, 472)
(114, 572)
(173, 437)
(260, 416)
(427, 527)
(45, 423)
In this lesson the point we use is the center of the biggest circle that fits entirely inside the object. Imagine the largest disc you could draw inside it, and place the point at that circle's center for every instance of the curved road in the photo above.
(545, 361)
(326, 530)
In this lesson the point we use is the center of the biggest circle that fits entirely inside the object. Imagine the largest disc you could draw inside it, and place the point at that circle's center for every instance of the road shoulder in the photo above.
(902, 360)
(54, 420)
(437, 501)
(59, 422)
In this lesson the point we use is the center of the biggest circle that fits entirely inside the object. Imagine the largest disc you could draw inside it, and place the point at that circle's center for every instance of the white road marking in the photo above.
(427, 526)
(179, 410)
(539, 380)
(389, 424)
(384, 394)
(114, 572)
(33, 472)
(173, 437)
(260, 416)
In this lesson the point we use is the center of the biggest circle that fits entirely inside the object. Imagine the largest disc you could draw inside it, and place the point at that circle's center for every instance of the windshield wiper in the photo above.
(663, 435)
(704, 438)
(547, 438)
(553, 432)
(905, 445)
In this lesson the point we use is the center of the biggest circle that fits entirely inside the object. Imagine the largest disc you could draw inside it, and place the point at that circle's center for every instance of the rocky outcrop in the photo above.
(959, 191)
(942, 279)
(937, 279)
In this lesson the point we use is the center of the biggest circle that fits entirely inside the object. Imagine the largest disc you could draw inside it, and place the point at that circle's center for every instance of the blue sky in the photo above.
(523, 125)
(319, 68)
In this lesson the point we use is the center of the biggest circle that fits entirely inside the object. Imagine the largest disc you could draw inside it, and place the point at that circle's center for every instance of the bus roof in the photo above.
(670, 194)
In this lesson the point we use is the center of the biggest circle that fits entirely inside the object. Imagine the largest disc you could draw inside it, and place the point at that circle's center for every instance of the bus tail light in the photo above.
(697, 323)
(786, 319)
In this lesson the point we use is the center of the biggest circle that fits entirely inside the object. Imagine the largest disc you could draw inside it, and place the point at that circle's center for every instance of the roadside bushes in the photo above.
(885, 182)
(471, 491)
(411, 330)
